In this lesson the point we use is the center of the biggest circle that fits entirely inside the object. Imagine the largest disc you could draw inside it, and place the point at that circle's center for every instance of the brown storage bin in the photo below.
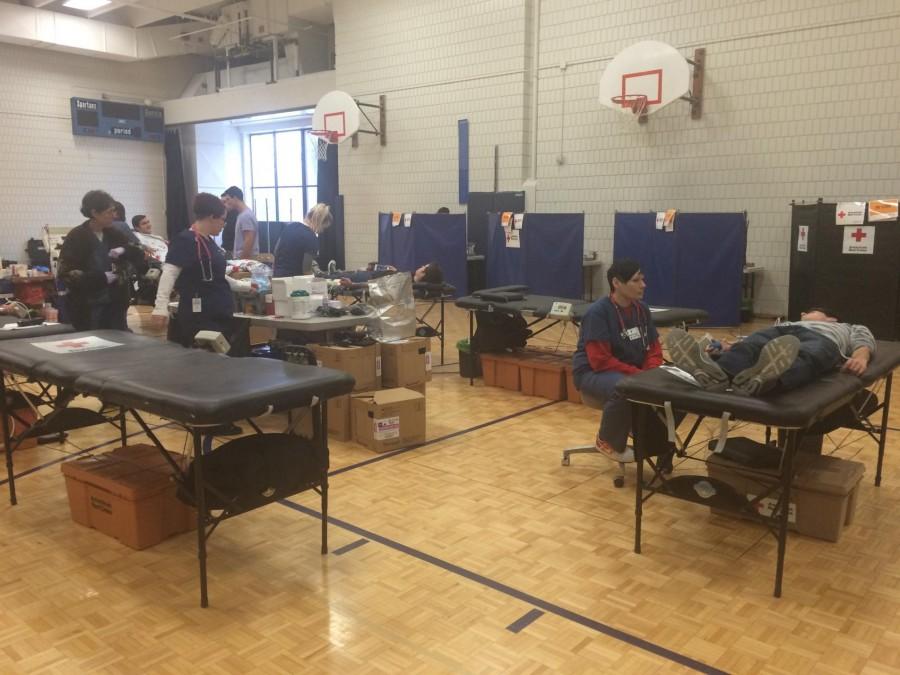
(572, 394)
(823, 494)
(501, 370)
(128, 494)
(543, 375)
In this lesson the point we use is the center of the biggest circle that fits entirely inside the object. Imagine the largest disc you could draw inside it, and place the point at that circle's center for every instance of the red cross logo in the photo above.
(859, 235)
(803, 234)
(74, 344)
(841, 214)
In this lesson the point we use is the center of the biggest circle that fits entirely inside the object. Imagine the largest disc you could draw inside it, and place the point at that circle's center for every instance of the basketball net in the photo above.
(325, 139)
(637, 103)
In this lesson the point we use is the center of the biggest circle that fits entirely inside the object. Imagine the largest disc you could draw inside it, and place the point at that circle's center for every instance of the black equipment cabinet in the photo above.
(860, 288)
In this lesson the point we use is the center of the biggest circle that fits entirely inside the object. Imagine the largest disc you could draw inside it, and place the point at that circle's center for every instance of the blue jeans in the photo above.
(817, 356)
(616, 422)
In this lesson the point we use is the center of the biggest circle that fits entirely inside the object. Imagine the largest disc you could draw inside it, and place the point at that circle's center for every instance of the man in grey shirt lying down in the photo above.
(782, 357)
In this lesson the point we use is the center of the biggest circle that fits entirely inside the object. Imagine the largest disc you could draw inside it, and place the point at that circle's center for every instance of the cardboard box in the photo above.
(338, 419)
(388, 419)
(500, 370)
(543, 375)
(363, 363)
(405, 362)
(823, 493)
(128, 494)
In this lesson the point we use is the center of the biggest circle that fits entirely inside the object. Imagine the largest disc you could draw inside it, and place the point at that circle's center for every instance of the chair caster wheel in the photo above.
(565, 461)
(619, 481)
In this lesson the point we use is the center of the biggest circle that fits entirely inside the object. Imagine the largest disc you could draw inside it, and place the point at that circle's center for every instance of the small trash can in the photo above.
(469, 364)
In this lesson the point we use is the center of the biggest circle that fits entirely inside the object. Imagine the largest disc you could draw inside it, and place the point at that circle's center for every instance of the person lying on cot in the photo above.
(617, 339)
(429, 273)
(782, 357)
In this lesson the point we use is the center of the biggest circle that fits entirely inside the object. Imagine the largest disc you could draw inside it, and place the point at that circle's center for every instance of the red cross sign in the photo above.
(74, 344)
(841, 214)
(859, 235)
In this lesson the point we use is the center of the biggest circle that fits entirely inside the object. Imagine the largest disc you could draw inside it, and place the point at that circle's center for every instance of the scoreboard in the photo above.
(110, 119)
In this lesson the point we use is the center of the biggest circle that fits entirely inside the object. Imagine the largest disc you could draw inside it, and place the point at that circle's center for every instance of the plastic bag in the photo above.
(391, 297)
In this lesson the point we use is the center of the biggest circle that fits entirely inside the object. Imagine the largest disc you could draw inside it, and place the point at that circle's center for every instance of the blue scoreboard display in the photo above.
(117, 120)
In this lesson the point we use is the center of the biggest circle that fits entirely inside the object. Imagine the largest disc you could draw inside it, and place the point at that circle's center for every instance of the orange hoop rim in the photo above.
(325, 135)
(637, 102)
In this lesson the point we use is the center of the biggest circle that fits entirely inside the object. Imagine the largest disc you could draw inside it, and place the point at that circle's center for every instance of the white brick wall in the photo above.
(800, 102)
(45, 169)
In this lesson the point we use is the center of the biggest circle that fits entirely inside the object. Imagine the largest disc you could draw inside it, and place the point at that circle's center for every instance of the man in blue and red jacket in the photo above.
(617, 339)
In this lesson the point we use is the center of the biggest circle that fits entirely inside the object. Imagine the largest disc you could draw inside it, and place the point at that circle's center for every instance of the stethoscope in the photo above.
(206, 273)
(642, 323)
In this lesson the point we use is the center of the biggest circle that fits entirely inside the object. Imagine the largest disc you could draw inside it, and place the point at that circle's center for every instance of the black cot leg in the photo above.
(123, 427)
(322, 434)
(200, 500)
(443, 331)
(882, 437)
(7, 441)
(637, 415)
(471, 349)
(787, 475)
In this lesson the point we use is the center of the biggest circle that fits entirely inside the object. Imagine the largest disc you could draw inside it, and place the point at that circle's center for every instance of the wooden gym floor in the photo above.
(474, 553)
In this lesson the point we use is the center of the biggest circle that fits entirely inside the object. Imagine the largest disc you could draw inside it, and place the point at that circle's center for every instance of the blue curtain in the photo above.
(441, 238)
(550, 259)
(553, 253)
(635, 236)
(431, 237)
(504, 265)
(698, 265)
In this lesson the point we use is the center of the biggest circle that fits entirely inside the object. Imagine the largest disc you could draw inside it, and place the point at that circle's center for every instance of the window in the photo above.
(283, 174)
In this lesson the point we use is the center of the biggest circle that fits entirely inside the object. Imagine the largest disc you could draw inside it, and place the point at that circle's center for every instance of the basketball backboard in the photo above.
(336, 117)
(644, 78)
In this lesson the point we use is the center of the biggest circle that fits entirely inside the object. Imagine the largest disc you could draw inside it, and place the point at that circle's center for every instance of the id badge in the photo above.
(196, 305)
(633, 333)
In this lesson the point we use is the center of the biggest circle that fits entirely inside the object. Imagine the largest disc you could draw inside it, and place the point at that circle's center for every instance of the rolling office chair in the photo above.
(596, 404)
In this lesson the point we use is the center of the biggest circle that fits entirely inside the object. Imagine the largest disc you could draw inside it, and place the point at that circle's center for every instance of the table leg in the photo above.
(443, 331)
(200, 501)
(787, 475)
(886, 403)
(637, 414)
(123, 427)
(7, 442)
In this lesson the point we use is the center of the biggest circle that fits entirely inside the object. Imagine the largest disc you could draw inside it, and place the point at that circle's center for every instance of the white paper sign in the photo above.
(76, 345)
(660, 219)
(803, 238)
(407, 219)
(518, 220)
(427, 361)
(859, 239)
(513, 240)
(850, 213)
(387, 428)
(377, 366)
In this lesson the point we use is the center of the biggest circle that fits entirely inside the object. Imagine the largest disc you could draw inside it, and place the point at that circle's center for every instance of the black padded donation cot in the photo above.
(516, 300)
(806, 410)
(197, 390)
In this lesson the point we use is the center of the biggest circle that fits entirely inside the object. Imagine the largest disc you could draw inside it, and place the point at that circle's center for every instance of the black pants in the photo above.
(99, 316)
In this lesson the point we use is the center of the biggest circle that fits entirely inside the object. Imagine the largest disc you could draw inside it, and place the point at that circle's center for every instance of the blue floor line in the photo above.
(537, 602)
(523, 622)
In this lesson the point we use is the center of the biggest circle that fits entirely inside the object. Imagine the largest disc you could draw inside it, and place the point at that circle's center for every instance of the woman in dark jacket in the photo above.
(89, 263)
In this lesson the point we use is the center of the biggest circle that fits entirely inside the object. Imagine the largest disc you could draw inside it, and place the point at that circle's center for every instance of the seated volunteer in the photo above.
(779, 358)
(92, 264)
(617, 339)
(298, 246)
(195, 267)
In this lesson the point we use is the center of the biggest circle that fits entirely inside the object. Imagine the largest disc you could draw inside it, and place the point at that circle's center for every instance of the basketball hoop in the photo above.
(637, 103)
(326, 138)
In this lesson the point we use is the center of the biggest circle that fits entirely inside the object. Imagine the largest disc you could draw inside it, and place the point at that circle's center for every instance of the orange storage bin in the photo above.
(500, 370)
(543, 375)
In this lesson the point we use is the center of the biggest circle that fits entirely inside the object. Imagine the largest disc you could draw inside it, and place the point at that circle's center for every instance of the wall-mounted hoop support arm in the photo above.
(695, 96)
(381, 129)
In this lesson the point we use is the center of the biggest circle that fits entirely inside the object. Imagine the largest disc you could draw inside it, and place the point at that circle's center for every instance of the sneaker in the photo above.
(687, 354)
(624, 457)
(775, 358)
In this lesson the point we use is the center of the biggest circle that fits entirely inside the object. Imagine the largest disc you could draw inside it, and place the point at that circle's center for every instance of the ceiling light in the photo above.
(86, 5)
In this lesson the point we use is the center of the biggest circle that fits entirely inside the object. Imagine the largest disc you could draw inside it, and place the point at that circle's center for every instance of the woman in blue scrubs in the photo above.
(195, 267)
